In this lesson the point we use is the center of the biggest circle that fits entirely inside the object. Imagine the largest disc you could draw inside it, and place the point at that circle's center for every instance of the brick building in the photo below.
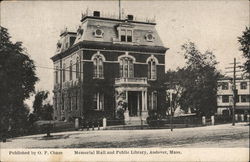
(225, 96)
(108, 60)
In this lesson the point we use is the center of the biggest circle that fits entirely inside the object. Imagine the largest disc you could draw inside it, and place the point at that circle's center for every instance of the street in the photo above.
(218, 136)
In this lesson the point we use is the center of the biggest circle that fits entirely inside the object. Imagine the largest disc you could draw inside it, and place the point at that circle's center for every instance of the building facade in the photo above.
(225, 96)
(105, 62)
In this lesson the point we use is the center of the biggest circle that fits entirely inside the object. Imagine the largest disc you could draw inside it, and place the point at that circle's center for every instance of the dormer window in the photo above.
(126, 35)
(129, 35)
(149, 37)
(99, 33)
(123, 35)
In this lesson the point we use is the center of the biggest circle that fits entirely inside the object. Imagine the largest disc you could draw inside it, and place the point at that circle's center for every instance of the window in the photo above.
(149, 37)
(123, 35)
(70, 103)
(70, 71)
(62, 102)
(225, 99)
(152, 69)
(77, 68)
(98, 66)
(224, 85)
(129, 35)
(63, 73)
(126, 67)
(99, 33)
(243, 85)
(56, 75)
(245, 98)
(76, 100)
(126, 35)
(98, 101)
(237, 98)
(152, 100)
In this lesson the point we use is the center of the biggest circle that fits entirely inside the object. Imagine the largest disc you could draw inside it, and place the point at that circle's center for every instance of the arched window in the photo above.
(98, 60)
(126, 66)
(70, 71)
(152, 70)
(77, 68)
(63, 73)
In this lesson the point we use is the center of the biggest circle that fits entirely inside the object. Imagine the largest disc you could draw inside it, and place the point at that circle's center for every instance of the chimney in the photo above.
(96, 13)
(130, 17)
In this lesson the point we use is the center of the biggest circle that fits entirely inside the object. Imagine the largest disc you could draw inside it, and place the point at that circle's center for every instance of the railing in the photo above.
(71, 83)
(131, 81)
(116, 16)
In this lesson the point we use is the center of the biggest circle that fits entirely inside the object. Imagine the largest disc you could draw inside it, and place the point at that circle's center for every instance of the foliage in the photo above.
(244, 40)
(17, 81)
(41, 110)
(120, 112)
(198, 80)
(154, 119)
(173, 78)
(38, 102)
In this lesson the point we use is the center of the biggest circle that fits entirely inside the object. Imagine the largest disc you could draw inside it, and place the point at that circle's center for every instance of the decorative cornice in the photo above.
(109, 46)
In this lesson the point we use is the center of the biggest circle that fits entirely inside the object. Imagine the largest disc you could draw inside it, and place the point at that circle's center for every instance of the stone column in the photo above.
(143, 98)
(203, 120)
(126, 96)
(236, 117)
(76, 123)
(212, 120)
(146, 100)
(144, 108)
(104, 123)
(242, 117)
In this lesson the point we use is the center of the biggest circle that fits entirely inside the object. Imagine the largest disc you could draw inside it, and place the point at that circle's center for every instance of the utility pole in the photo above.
(235, 91)
(171, 110)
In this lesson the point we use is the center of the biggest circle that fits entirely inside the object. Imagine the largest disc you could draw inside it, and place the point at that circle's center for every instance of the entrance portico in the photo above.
(134, 92)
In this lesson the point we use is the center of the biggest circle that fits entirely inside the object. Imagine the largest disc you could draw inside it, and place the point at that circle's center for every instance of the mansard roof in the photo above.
(105, 32)
(110, 29)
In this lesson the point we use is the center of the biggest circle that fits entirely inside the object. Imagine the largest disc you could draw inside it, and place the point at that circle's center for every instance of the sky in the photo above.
(213, 25)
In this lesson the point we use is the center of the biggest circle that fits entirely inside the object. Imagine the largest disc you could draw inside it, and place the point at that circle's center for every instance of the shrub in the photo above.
(154, 119)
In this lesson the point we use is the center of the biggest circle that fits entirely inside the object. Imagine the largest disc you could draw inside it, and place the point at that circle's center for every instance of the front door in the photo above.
(134, 103)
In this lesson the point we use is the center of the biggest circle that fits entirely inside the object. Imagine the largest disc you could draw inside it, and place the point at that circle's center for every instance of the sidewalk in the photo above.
(224, 135)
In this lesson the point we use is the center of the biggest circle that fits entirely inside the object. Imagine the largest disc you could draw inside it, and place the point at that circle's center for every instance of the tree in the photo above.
(244, 40)
(38, 102)
(173, 88)
(17, 80)
(198, 80)
(42, 110)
